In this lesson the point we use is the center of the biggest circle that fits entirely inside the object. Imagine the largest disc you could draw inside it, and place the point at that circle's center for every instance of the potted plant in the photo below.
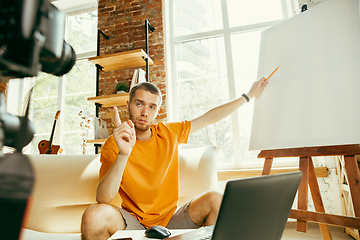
(121, 87)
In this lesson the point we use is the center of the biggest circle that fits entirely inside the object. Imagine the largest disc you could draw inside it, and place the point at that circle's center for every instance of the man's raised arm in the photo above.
(218, 113)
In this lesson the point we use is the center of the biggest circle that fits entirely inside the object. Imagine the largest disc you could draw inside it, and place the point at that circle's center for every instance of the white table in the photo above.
(140, 234)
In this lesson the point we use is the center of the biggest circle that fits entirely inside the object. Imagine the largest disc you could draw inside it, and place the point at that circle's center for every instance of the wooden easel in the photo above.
(309, 179)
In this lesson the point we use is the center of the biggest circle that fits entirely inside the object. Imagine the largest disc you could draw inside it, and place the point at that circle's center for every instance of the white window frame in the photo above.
(170, 40)
(61, 87)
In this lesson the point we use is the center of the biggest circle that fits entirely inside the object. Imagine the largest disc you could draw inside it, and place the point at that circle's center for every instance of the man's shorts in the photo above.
(180, 220)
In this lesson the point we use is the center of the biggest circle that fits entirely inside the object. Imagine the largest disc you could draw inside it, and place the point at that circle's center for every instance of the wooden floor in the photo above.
(290, 233)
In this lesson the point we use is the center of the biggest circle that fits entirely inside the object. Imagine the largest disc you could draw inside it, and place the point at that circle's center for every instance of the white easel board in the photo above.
(314, 97)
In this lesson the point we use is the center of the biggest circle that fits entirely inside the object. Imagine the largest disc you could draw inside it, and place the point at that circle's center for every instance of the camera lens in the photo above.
(62, 65)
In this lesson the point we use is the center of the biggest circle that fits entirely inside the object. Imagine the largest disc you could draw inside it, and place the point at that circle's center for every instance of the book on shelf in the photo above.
(100, 130)
(138, 77)
(142, 76)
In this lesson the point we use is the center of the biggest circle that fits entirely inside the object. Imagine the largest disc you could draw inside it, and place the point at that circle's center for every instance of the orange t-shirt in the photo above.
(150, 184)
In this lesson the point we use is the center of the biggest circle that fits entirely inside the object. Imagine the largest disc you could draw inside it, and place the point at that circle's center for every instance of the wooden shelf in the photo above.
(111, 100)
(96, 141)
(122, 60)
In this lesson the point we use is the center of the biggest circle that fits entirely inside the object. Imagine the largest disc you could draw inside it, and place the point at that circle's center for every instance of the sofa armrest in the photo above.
(65, 185)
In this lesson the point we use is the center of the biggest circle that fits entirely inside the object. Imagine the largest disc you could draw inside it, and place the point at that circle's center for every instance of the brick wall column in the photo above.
(124, 22)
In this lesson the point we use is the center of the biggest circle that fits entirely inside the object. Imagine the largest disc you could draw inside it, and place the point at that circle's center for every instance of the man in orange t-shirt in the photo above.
(140, 161)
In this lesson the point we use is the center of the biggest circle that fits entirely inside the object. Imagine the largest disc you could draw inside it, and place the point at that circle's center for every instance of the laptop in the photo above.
(254, 208)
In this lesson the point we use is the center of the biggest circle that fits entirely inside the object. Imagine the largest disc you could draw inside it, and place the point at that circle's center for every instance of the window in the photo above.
(68, 93)
(214, 49)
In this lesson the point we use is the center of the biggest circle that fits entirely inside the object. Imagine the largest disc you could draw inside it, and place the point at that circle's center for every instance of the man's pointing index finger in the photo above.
(117, 117)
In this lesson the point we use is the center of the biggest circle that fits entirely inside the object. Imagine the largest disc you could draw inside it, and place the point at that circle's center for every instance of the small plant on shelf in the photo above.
(121, 87)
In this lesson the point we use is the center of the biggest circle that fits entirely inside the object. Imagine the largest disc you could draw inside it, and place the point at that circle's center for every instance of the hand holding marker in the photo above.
(272, 73)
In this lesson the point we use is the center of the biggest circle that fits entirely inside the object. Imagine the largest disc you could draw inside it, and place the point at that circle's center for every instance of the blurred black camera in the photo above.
(31, 40)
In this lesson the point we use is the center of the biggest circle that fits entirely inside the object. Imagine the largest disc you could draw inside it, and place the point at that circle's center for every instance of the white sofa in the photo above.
(65, 186)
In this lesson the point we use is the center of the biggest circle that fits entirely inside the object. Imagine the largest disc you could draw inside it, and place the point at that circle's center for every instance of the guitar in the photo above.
(46, 147)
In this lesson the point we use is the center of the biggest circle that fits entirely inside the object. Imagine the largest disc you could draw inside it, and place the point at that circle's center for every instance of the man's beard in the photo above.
(140, 127)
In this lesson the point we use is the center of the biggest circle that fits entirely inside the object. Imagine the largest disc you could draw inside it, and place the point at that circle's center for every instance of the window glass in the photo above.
(245, 59)
(46, 86)
(44, 102)
(243, 12)
(200, 58)
(82, 31)
(69, 92)
(202, 85)
(80, 85)
(245, 51)
(198, 96)
(74, 104)
(81, 78)
(197, 16)
(202, 80)
(44, 108)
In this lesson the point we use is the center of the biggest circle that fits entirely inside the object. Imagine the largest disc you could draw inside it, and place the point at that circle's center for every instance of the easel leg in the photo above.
(303, 192)
(352, 170)
(267, 166)
(318, 203)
